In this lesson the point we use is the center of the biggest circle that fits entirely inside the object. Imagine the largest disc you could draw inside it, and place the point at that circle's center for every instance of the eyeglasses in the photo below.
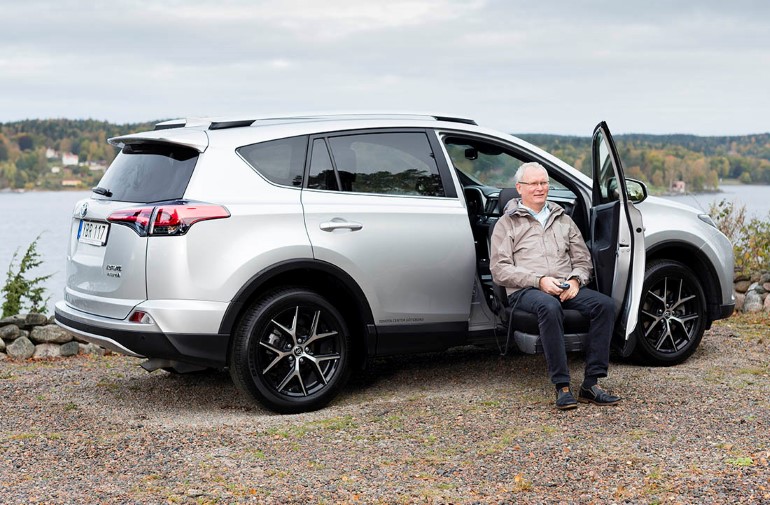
(539, 184)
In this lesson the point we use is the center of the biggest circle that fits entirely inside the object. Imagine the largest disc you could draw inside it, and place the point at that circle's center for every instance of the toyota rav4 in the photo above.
(291, 250)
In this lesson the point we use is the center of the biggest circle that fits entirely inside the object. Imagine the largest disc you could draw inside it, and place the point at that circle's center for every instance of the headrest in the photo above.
(506, 194)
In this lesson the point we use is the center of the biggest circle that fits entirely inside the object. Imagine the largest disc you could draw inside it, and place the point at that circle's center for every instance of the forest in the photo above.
(32, 155)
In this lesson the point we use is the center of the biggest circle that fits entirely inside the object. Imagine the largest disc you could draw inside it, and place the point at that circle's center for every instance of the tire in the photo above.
(672, 315)
(291, 351)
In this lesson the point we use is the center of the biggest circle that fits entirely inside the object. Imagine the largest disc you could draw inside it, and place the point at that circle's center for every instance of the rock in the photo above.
(91, 349)
(767, 303)
(69, 349)
(738, 276)
(51, 320)
(17, 320)
(34, 319)
(21, 348)
(3, 356)
(10, 332)
(50, 334)
(47, 351)
(24, 333)
(765, 278)
(753, 302)
(742, 286)
(766, 287)
(740, 298)
(2, 345)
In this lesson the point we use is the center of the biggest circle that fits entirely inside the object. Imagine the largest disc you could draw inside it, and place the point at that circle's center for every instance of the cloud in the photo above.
(556, 66)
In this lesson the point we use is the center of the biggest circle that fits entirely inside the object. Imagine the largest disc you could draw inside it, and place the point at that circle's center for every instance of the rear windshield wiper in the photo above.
(102, 191)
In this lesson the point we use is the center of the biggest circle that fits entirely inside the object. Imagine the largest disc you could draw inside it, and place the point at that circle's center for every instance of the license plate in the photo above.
(93, 233)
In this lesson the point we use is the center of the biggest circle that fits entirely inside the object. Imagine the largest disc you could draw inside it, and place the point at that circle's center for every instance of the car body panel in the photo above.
(106, 280)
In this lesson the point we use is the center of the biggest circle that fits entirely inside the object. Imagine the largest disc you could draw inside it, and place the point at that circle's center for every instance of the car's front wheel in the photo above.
(291, 351)
(672, 316)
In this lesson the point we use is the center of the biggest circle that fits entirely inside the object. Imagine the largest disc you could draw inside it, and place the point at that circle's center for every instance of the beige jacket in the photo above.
(523, 251)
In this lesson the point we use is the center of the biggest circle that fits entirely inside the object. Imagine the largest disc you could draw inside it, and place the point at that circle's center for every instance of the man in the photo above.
(536, 244)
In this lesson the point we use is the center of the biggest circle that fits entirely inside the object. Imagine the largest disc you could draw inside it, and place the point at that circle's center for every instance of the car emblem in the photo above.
(84, 210)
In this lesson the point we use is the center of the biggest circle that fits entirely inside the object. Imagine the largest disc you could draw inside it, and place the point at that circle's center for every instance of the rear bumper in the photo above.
(141, 340)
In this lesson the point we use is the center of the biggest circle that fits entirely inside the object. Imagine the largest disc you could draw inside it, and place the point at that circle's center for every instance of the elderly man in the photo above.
(535, 244)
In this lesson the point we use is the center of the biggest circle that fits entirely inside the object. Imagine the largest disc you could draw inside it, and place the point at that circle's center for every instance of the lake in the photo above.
(48, 214)
(44, 213)
(756, 199)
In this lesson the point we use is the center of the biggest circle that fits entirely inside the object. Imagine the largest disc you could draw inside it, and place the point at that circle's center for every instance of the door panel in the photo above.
(617, 233)
(413, 257)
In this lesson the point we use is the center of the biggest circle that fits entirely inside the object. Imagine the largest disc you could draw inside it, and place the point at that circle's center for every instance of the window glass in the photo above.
(321, 171)
(387, 163)
(279, 161)
(150, 172)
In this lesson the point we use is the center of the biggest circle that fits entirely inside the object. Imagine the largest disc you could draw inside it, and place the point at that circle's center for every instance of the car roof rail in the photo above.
(225, 123)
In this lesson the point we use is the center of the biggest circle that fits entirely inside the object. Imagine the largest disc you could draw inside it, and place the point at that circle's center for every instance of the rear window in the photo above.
(150, 172)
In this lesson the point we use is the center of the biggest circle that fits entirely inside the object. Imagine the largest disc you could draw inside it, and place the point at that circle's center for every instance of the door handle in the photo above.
(340, 224)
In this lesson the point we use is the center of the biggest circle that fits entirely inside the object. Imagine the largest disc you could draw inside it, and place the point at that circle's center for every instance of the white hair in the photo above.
(526, 166)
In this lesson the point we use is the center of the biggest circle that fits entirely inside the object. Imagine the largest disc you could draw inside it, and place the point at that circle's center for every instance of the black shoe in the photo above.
(564, 399)
(597, 396)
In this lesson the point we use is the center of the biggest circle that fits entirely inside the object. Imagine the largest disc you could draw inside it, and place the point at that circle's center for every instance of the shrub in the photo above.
(18, 286)
(750, 239)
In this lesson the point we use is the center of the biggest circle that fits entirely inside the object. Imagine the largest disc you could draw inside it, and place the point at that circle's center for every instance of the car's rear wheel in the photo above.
(672, 316)
(291, 351)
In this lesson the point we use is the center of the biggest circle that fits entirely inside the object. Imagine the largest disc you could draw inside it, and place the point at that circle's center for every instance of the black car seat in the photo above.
(521, 326)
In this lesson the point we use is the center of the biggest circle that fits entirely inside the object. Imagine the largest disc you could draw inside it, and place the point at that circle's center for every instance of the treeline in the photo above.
(659, 160)
(24, 145)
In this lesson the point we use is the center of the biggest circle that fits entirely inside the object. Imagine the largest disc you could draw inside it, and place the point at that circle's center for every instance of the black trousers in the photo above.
(597, 307)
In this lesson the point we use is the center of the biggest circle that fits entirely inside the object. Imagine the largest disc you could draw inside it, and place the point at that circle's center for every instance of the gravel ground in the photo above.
(464, 426)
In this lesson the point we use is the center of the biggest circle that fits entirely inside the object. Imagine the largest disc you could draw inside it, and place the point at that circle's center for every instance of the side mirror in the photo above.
(636, 190)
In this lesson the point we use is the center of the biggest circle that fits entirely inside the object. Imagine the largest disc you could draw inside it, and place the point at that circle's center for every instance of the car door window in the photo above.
(321, 174)
(397, 163)
(279, 161)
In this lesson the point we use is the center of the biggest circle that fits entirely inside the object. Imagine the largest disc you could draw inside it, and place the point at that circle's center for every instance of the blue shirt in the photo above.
(541, 216)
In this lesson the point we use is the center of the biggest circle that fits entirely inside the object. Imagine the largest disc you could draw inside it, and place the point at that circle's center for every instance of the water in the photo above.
(44, 213)
(755, 198)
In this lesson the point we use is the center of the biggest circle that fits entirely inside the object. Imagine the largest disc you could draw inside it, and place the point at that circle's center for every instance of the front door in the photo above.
(617, 233)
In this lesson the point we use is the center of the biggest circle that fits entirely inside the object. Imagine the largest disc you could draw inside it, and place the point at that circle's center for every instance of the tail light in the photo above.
(167, 220)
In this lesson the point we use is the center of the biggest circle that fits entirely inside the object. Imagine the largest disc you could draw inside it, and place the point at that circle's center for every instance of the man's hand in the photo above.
(571, 292)
(551, 285)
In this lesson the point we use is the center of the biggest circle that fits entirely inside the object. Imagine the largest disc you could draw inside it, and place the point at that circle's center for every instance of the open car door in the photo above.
(617, 234)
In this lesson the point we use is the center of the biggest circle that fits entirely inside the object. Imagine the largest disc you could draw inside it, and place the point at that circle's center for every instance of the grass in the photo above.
(751, 327)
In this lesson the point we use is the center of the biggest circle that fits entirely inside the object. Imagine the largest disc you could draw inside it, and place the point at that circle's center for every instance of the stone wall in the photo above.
(751, 293)
(36, 336)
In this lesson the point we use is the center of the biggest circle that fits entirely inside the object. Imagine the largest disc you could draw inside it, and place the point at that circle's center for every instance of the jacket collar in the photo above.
(515, 207)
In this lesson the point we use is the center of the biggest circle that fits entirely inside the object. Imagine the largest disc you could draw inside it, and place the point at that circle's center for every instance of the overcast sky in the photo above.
(561, 66)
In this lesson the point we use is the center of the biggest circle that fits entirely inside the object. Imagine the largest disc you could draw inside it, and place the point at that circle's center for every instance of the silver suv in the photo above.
(290, 250)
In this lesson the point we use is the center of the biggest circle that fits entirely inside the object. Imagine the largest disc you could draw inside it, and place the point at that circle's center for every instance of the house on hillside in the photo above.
(69, 159)
(678, 187)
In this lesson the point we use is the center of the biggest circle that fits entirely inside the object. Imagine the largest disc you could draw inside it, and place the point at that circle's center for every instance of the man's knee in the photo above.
(549, 306)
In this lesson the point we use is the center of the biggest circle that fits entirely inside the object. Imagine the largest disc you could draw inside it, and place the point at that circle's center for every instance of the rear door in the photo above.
(106, 257)
(617, 233)
(381, 205)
